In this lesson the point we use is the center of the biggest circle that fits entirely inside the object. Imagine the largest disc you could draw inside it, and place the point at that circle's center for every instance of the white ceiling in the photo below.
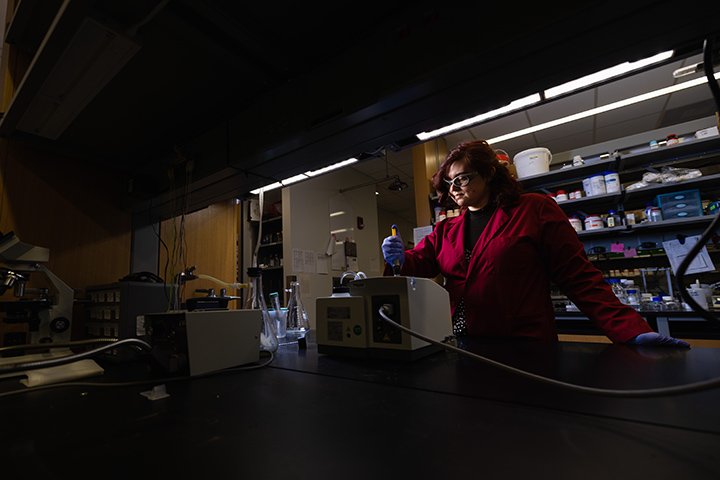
(657, 113)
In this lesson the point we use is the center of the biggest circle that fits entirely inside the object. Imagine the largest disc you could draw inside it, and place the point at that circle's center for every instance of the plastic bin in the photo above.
(680, 204)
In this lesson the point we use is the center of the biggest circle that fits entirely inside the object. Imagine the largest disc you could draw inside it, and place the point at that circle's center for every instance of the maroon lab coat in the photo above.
(506, 283)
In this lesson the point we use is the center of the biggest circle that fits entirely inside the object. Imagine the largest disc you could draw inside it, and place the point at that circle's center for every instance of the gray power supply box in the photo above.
(203, 341)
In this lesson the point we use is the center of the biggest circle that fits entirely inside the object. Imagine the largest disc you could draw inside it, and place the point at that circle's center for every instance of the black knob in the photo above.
(59, 324)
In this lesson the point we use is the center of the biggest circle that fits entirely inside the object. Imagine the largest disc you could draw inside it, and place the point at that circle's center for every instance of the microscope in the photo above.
(35, 315)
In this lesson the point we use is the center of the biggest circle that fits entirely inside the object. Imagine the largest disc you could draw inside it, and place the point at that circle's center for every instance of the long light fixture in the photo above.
(525, 102)
(606, 74)
(605, 108)
(511, 107)
(304, 176)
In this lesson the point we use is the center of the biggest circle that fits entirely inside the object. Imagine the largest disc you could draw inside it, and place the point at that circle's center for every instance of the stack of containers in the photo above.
(601, 183)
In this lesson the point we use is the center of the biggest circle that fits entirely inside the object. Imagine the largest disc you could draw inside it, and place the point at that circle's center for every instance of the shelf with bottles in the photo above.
(649, 218)
(605, 232)
(709, 185)
(607, 201)
(271, 244)
(565, 175)
(673, 224)
(608, 262)
(690, 150)
(270, 261)
(439, 212)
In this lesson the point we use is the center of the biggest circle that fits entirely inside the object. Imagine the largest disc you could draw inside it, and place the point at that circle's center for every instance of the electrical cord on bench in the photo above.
(630, 393)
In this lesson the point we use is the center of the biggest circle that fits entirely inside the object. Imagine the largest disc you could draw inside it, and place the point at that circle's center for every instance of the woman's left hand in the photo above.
(653, 339)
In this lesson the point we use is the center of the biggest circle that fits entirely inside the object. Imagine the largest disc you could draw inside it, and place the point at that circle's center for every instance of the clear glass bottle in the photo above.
(670, 304)
(280, 320)
(297, 317)
(256, 301)
(646, 303)
(618, 290)
(658, 305)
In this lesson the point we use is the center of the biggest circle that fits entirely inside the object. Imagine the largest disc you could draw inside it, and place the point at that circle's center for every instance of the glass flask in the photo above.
(297, 317)
(256, 301)
(280, 320)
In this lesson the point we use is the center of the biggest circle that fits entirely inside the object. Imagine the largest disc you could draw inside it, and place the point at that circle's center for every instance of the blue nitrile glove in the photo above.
(393, 249)
(653, 339)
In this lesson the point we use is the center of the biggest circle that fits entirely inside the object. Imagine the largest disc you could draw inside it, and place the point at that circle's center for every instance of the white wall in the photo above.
(307, 225)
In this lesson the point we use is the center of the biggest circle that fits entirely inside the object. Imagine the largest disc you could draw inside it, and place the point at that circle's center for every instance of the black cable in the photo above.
(649, 392)
(708, 63)
(710, 230)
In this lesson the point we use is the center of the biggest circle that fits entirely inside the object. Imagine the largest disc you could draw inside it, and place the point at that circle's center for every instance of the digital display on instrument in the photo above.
(338, 313)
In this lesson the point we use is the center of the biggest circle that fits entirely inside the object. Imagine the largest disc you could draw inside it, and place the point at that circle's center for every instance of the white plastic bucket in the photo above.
(533, 161)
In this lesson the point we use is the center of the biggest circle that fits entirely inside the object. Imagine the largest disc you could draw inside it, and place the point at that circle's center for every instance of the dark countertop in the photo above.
(318, 416)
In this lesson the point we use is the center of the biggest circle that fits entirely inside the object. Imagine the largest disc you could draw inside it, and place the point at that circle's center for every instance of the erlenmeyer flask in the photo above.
(280, 320)
(256, 301)
(297, 317)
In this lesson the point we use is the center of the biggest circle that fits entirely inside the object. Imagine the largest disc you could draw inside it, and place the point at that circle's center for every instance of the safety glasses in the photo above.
(460, 180)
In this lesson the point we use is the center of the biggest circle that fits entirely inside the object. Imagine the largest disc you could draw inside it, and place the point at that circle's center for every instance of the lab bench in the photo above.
(680, 324)
(309, 415)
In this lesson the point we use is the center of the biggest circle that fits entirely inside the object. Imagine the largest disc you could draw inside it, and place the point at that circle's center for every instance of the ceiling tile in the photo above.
(562, 107)
(571, 128)
(639, 110)
(501, 126)
(623, 128)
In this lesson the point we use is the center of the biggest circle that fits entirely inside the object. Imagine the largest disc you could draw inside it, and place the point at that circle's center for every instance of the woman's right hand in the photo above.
(393, 249)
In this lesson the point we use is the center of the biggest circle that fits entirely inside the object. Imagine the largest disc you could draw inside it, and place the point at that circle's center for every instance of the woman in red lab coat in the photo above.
(501, 254)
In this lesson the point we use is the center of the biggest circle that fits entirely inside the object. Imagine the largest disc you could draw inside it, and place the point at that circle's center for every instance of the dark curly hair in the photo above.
(480, 156)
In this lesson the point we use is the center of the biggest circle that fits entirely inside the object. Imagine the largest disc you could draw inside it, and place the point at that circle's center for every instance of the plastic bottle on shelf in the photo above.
(656, 214)
(576, 223)
(657, 304)
(612, 182)
(648, 210)
(633, 299)
(597, 184)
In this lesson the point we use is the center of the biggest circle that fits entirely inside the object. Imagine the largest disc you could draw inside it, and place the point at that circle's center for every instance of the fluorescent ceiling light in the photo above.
(313, 173)
(606, 74)
(272, 186)
(512, 106)
(303, 176)
(603, 109)
(576, 84)
(294, 179)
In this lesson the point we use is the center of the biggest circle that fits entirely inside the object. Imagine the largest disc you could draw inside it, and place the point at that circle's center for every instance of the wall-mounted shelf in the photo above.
(272, 244)
(690, 150)
(607, 201)
(565, 176)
